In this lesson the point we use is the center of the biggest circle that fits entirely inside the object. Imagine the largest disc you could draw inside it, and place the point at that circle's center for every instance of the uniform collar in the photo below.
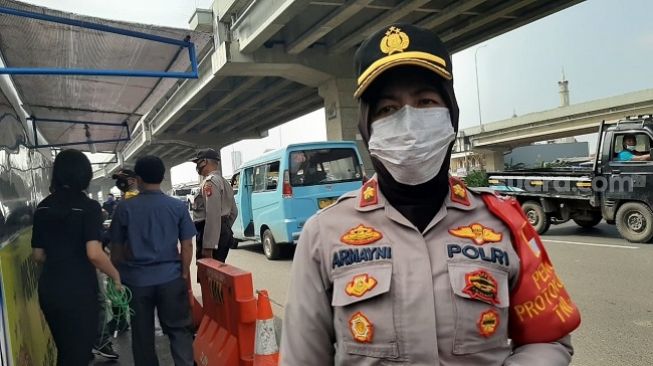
(369, 197)
(212, 173)
(459, 196)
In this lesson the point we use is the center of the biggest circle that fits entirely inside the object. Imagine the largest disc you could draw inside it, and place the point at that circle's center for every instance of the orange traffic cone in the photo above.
(266, 350)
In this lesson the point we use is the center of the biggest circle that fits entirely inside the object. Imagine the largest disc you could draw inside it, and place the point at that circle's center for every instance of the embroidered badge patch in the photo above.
(458, 192)
(360, 285)
(481, 285)
(361, 328)
(488, 323)
(478, 233)
(208, 189)
(369, 194)
(361, 235)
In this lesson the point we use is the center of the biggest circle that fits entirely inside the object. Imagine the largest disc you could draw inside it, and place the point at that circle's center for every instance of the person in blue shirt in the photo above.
(145, 231)
(629, 153)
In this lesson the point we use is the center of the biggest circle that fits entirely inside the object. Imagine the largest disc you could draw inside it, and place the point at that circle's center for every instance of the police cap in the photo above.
(400, 45)
(124, 174)
(206, 154)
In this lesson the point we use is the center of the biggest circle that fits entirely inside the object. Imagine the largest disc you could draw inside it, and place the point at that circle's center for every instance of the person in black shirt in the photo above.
(66, 239)
(110, 204)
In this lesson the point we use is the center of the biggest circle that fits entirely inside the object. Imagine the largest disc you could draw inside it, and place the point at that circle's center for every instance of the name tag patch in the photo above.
(347, 257)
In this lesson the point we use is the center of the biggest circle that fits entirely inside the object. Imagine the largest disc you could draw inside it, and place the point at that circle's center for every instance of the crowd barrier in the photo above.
(226, 334)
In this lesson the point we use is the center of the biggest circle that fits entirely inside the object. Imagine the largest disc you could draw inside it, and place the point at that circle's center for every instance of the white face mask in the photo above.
(631, 147)
(412, 143)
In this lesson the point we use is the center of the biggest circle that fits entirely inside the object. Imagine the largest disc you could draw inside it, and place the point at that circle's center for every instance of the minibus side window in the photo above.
(272, 176)
(259, 178)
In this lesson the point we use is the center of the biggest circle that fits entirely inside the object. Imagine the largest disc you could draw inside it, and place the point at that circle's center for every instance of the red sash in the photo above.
(541, 310)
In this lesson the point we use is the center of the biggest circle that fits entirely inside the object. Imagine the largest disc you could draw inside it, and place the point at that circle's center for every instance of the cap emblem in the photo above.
(394, 41)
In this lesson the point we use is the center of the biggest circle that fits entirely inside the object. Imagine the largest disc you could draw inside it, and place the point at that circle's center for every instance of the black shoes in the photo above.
(106, 351)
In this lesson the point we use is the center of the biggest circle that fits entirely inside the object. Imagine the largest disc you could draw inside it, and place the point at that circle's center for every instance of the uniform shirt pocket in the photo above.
(481, 299)
(363, 311)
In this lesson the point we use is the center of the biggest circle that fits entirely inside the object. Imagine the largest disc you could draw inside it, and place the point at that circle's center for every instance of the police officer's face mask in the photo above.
(412, 143)
(200, 165)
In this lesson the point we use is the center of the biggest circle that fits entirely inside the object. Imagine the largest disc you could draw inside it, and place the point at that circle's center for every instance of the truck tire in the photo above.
(635, 222)
(588, 223)
(270, 247)
(536, 216)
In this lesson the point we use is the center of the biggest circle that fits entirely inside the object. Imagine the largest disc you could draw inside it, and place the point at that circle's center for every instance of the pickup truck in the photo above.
(618, 187)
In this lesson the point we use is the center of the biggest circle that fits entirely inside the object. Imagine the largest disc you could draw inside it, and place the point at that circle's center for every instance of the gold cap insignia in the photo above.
(361, 328)
(394, 41)
(478, 233)
(360, 285)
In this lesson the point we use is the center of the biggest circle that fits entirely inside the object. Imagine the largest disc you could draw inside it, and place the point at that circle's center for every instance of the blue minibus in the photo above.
(280, 190)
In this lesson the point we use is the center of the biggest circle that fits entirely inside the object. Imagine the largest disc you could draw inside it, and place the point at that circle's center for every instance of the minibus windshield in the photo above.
(324, 166)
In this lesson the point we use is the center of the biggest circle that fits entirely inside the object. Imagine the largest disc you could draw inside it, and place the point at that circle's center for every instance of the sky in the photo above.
(604, 46)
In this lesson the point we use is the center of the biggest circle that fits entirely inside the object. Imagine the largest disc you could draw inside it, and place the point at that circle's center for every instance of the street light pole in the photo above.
(478, 91)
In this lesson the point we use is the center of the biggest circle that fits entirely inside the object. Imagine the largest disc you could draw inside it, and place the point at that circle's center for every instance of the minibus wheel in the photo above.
(270, 247)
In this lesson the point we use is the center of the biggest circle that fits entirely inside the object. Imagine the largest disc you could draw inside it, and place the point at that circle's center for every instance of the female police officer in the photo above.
(415, 269)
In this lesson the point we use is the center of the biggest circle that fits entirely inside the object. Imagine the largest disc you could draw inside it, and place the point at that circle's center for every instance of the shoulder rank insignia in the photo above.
(458, 192)
(360, 285)
(478, 233)
(208, 189)
(394, 41)
(361, 328)
(481, 285)
(369, 193)
(488, 323)
(361, 235)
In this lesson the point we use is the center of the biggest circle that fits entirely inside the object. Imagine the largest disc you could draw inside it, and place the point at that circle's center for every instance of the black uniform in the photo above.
(63, 223)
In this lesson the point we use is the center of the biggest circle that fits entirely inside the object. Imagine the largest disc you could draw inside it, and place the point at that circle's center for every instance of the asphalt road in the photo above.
(606, 276)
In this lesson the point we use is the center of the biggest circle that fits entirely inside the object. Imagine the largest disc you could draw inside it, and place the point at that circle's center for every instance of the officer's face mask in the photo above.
(412, 143)
(122, 184)
(200, 166)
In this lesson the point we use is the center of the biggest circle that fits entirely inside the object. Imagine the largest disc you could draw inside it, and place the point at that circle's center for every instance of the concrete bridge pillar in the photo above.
(341, 111)
(494, 161)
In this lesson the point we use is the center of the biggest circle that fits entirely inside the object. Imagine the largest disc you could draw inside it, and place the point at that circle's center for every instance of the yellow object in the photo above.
(26, 331)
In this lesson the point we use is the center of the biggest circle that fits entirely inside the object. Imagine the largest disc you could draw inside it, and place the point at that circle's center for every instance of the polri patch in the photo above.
(481, 285)
(362, 330)
(491, 255)
(361, 235)
(360, 285)
(488, 323)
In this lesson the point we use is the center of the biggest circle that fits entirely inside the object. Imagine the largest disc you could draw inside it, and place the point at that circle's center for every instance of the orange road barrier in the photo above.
(266, 351)
(226, 333)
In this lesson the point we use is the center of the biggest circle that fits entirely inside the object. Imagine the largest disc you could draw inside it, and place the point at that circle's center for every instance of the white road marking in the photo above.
(589, 244)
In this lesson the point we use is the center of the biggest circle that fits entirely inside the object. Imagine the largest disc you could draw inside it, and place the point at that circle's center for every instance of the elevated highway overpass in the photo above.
(275, 60)
(493, 139)
(261, 63)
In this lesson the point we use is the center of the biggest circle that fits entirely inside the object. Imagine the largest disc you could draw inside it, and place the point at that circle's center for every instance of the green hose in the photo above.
(119, 307)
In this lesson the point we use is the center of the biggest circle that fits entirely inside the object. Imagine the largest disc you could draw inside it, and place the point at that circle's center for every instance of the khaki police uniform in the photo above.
(220, 212)
(367, 288)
